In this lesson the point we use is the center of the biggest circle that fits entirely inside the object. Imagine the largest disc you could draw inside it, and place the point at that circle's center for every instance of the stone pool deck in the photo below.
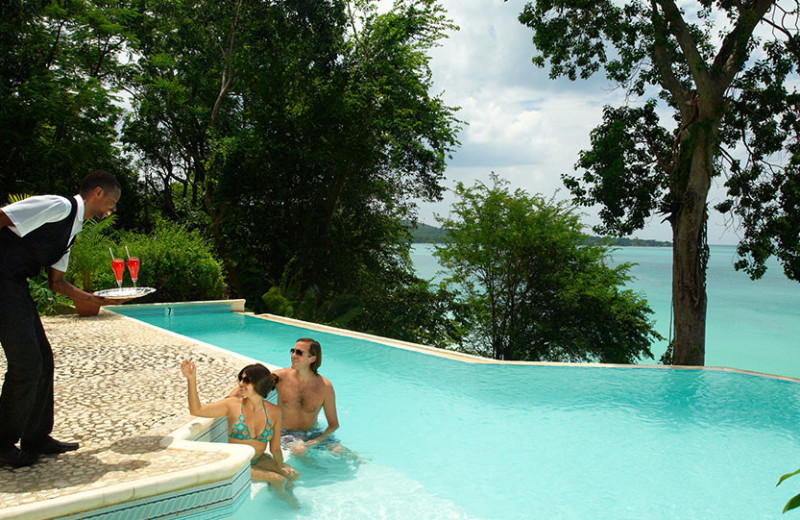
(119, 392)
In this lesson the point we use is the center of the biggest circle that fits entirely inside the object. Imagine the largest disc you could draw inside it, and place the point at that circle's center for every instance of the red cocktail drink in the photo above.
(133, 267)
(119, 268)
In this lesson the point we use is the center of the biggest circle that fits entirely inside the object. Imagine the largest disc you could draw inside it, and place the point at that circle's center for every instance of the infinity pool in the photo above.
(440, 438)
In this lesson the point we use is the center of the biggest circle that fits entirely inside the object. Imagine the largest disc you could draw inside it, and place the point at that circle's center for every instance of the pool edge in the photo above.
(172, 489)
(470, 358)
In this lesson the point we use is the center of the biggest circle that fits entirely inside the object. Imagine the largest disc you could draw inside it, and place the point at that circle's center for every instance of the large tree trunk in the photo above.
(701, 112)
(688, 286)
(689, 253)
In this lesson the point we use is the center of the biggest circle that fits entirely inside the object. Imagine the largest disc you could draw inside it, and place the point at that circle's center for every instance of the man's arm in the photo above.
(4, 220)
(329, 405)
(57, 283)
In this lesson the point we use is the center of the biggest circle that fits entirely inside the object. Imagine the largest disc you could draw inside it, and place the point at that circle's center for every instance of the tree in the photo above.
(59, 68)
(726, 87)
(304, 130)
(530, 287)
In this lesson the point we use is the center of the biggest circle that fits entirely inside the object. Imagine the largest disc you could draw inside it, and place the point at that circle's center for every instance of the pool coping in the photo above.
(443, 353)
(471, 358)
(83, 503)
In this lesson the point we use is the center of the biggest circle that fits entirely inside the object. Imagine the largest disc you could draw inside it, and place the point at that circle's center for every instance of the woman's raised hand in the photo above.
(188, 368)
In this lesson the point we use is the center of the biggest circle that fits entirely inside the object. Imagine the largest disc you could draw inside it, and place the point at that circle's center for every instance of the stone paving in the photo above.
(118, 391)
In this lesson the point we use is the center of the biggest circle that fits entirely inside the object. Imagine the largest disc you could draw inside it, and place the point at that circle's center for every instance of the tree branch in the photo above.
(227, 73)
(664, 59)
(680, 30)
(733, 52)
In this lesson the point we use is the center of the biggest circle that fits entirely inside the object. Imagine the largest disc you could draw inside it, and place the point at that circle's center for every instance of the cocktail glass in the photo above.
(133, 267)
(119, 268)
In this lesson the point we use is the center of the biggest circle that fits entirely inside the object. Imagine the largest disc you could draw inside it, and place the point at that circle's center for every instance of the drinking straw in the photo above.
(126, 250)
(112, 253)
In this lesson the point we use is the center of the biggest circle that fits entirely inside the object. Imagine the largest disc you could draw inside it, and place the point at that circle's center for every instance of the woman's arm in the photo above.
(215, 409)
(275, 441)
(275, 446)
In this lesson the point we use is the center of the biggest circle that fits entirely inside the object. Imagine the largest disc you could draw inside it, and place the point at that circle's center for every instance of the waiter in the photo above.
(38, 232)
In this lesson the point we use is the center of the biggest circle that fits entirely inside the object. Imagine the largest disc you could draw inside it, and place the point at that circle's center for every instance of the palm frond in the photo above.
(16, 197)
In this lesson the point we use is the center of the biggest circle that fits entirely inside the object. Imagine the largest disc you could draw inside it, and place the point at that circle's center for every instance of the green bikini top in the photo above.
(241, 432)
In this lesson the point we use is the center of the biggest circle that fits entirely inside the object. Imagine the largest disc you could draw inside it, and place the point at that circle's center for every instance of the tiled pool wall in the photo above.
(167, 309)
(209, 502)
(217, 431)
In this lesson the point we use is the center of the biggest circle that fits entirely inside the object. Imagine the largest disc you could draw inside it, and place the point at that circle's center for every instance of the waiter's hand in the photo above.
(112, 301)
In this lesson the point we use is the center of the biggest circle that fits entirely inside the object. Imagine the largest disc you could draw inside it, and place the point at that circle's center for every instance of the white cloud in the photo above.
(522, 125)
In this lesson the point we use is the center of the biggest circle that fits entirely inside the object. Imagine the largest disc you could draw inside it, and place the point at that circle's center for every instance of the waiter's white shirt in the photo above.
(31, 213)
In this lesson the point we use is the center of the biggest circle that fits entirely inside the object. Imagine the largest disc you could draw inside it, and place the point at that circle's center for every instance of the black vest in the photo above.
(42, 247)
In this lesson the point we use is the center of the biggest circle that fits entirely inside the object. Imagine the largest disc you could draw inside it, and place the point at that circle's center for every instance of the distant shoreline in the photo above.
(613, 244)
(662, 244)
(426, 234)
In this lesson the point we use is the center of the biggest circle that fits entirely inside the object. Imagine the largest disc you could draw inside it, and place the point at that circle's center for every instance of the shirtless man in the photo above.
(302, 393)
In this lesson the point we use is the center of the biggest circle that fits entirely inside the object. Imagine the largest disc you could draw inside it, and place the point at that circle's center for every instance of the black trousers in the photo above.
(26, 402)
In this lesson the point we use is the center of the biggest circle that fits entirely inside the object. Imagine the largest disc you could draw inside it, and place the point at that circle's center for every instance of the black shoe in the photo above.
(17, 457)
(50, 446)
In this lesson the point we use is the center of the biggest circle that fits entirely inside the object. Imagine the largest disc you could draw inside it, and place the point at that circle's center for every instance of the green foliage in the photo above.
(277, 303)
(793, 502)
(47, 301)
(530, 287)
(627, 176)
(57, 105)
(764, 190)
(307, 163)
(408, 309)
(296, 136)
(16, 197)
(177, 262)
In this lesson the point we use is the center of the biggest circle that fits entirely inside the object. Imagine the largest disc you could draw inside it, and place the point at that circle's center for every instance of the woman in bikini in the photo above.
(251, 421)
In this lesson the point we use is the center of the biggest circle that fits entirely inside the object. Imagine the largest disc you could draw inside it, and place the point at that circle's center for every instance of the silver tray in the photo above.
(124, 293)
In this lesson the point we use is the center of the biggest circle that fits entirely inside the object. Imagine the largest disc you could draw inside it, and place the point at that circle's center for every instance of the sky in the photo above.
(522, 125)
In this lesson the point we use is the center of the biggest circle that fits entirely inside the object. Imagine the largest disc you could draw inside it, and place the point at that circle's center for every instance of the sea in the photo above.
(750, 324)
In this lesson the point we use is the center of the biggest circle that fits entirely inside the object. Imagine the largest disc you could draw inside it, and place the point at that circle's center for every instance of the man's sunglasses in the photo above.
(296, 351)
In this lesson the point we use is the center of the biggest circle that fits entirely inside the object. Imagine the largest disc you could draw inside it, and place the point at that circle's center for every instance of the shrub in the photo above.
(277, 303)
(177, 262)
(47, 301)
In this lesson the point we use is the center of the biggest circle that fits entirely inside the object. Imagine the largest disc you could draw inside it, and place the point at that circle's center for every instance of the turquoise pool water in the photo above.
(446, 439)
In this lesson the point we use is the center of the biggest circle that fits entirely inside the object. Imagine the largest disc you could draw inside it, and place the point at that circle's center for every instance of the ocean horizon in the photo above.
(750, 324)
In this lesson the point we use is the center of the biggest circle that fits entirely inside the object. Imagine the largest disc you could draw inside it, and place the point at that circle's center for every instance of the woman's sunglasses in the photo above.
(296, 351)
(244, 379)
